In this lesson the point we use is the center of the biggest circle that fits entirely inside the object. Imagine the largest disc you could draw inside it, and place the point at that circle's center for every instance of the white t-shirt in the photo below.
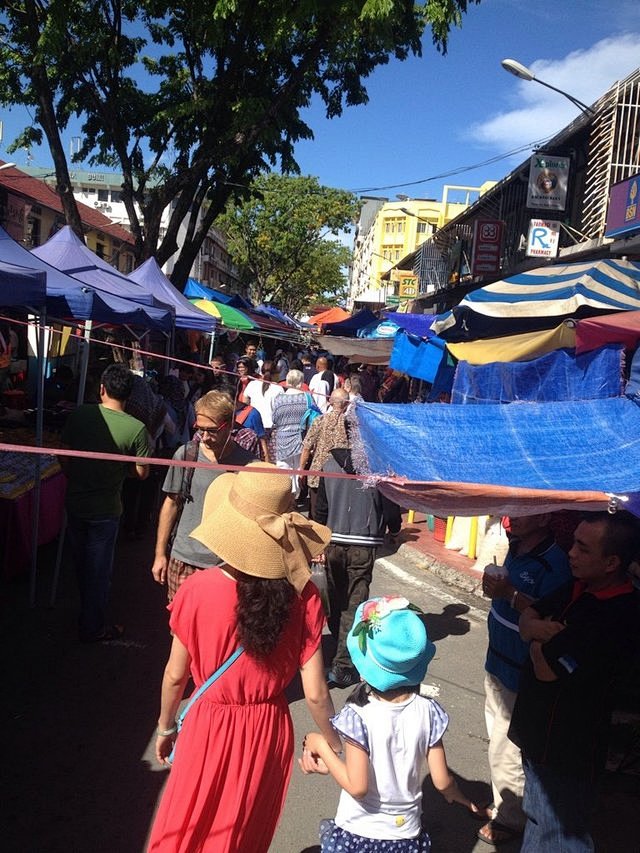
(263, 402)
(397, 737)
(320, 390)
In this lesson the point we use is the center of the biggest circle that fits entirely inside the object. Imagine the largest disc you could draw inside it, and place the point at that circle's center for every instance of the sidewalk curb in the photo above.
(469, 580)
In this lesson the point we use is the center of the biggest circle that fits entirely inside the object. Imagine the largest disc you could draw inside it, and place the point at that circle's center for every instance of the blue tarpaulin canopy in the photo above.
(416, 357)
(516, 459)
(416, 324)
(151, 277)
(558, 375)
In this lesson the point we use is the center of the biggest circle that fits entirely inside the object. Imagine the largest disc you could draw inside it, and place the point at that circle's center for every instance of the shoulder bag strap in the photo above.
(207, 684)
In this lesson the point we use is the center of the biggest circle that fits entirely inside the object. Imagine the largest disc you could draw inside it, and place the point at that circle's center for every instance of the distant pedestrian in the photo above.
(322, 384)
(94, 488)
(288, 410)
(355, 515)
(389, 730)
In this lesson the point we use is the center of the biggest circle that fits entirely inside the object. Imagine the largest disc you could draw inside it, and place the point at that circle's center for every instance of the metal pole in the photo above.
(84, 363)
(37, 466)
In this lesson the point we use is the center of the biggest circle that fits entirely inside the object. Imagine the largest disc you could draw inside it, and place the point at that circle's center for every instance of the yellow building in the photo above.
(390, 230)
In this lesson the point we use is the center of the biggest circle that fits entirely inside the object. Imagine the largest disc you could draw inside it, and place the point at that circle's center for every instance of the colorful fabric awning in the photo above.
(541, 298)
(621, 328)
(230, 317)
(522, 347)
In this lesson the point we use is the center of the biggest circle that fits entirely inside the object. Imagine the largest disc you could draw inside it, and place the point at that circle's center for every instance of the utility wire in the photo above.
(457, 171)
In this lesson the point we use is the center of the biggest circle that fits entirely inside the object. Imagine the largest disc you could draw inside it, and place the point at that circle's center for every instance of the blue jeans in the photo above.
(92, 543)
(558, 806)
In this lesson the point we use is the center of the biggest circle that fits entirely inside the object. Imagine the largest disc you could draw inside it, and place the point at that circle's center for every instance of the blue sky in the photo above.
(437, 114)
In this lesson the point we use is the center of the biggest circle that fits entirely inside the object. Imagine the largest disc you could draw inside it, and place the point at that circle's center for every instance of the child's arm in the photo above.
(352, 774)
(443, 780)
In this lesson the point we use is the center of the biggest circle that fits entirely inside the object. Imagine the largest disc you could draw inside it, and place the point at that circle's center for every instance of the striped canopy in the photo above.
(542, 298)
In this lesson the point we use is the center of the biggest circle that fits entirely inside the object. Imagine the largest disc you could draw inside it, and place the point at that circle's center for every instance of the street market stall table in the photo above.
(16, 507)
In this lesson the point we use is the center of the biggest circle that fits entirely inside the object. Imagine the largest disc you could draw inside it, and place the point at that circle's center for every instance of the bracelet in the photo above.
(514, 598)
(167, 732)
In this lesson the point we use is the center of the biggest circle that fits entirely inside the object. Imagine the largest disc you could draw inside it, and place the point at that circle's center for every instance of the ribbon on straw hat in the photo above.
(284, 529)
(247, 521)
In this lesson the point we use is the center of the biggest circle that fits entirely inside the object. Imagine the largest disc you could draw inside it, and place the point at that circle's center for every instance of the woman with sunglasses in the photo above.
(184, 492)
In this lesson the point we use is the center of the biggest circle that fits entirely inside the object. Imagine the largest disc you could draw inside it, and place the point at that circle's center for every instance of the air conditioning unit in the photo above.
(206, 256)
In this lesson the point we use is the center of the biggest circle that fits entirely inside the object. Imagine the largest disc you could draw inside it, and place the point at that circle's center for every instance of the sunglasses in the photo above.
(210, 430)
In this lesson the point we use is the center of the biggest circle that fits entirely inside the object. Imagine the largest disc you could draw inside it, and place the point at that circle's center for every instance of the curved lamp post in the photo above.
(519, 70)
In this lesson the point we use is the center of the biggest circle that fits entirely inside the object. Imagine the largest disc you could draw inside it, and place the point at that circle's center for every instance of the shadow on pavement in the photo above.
(79, 774)
(447, 623)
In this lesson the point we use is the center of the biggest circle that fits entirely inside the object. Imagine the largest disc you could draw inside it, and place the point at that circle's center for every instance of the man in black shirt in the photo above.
(580, 637)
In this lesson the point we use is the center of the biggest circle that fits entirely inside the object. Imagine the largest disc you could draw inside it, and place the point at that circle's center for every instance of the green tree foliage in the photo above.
(191, 101)
(280, 240)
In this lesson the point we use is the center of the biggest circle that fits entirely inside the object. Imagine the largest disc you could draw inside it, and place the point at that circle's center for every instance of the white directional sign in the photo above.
(544, 235)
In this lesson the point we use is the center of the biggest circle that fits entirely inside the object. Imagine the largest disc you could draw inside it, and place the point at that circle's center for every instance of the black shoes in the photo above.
(342, 677)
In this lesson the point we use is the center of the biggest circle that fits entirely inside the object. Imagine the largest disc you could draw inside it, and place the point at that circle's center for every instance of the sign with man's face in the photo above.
(548, 181)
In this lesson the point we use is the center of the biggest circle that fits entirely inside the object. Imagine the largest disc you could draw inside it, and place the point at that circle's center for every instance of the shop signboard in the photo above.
(623, 216)
(407, 282)
(543, 239)
(393, 300)
(487, 247)
(548, 181)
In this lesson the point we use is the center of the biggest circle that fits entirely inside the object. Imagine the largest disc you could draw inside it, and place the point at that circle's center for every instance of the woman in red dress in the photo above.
(233, 757)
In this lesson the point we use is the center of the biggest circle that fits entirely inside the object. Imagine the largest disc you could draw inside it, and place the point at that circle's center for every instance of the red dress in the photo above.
(230, 775)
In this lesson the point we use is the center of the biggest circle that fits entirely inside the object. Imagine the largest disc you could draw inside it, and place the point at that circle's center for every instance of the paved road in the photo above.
(78, 773)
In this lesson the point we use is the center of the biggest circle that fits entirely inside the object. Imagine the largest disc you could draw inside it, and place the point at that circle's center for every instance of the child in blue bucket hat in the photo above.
(388, 730)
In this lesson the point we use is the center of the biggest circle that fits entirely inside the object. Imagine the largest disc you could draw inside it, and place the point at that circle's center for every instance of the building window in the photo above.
(103, 195)
(116, 195)
(100, 250)
(422, 227)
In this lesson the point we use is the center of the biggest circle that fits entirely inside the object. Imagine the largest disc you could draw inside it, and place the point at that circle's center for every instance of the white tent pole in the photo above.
(37, 486)
(84, 363)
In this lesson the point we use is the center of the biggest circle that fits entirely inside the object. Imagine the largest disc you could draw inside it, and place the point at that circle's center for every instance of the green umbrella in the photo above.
(230, 317)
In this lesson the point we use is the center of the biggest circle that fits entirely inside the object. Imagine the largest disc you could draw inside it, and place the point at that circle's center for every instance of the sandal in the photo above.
(483, 812)
(496, 833)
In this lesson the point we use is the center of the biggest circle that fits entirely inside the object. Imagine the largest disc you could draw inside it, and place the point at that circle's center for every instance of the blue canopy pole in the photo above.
(35, 503)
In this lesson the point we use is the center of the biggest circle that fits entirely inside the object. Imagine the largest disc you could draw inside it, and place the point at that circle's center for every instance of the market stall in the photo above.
(18, 505)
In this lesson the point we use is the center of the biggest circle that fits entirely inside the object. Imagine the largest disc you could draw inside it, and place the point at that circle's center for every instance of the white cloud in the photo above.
(540, 112)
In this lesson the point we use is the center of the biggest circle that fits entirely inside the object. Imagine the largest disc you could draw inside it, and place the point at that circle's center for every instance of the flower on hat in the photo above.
(374, 611)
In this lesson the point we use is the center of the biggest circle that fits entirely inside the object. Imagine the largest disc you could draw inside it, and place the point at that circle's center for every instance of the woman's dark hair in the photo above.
(262, 611)
(267, 371)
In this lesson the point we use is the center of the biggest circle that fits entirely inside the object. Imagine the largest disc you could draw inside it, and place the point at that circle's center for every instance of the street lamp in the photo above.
(519, 70)
(408, 212)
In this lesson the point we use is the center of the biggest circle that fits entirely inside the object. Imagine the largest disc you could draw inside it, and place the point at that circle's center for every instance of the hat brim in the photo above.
(380, 679)
(240, 541)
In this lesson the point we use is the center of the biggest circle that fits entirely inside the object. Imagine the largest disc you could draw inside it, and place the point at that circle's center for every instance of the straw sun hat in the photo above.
(246, 520)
